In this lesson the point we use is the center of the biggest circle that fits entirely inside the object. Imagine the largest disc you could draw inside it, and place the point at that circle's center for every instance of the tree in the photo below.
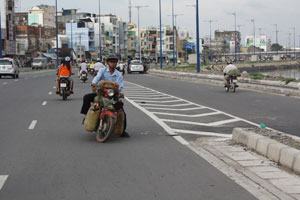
(276, 47)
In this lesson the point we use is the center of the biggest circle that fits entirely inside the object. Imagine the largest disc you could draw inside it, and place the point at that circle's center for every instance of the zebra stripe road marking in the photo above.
(2, 181)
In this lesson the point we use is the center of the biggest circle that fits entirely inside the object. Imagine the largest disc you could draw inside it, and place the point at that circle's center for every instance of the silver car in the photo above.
(9, 67)
(136, 66)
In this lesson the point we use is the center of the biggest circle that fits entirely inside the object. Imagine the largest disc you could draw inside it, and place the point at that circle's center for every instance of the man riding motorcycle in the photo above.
(83, 67)
(64, 70)
(98, 65)
(230, 71)
(108, 73)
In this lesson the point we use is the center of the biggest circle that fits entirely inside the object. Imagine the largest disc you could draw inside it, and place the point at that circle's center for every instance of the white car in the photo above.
(9, 67)
(135, 66)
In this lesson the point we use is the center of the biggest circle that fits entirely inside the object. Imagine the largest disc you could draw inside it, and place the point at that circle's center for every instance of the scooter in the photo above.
(83, 76)
(64, 87)
(232, 84)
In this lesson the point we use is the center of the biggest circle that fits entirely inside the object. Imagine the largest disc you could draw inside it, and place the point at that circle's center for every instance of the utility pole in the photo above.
(210, 31)
(0, 36)
(130, 11)
(198, 37)
(175, 38)
(173, 26)
(160, 36)
(100, 35)
(56, 24)
(235, 37)
(276, 32)
(139, 35)
(294, 30)
(254, 36)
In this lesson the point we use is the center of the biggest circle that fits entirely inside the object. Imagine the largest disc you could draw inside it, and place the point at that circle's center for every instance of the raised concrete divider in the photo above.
(282, 154)
(278, 87)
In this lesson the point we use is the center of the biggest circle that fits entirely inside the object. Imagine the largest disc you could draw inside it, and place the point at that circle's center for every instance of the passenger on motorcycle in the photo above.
(98, 65)
(64, 70)
(230, 71)
(108, 73)
(83, 67)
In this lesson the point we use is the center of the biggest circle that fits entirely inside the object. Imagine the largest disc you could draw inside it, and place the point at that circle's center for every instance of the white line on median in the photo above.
(44, 103)
(181, 140)
(32, 125)
(2, 181)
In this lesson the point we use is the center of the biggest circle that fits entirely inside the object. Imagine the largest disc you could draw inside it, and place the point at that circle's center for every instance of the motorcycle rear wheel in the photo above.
(108, 127)
(64, 94)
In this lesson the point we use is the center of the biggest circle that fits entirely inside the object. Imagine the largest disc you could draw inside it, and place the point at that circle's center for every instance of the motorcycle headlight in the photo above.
(111, 93)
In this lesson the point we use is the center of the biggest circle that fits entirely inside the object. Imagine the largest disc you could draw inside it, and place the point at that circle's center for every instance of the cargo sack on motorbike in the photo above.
(119, 129)
(91, 119)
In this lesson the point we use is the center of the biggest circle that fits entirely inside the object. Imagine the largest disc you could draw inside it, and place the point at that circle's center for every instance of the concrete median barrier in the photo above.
(284, 155)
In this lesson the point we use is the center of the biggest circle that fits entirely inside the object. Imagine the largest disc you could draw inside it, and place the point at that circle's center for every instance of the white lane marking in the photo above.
(181, 140)
(202, 124)
(171, 101)
(32, 125)
(2, 181)
(228, 121)
(54, 87)
(44, 103)
(244, 120)
(176, 105)
(16, 80)
(189, 116)
(171, 109)
(5, 83)
(202, 133)
(50, 93)
(137, 95)
(147, 98)
(155, 118)
(142, 93)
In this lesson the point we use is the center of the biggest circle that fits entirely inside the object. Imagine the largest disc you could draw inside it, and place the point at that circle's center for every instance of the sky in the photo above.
(266, 13)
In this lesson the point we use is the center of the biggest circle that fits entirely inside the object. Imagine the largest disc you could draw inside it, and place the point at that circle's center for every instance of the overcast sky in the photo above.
(265, 12)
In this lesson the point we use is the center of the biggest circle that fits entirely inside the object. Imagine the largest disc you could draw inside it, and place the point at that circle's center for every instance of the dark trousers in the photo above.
(89, 98)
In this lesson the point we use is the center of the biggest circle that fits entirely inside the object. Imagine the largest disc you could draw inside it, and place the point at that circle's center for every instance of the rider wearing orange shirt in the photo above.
(64, 70)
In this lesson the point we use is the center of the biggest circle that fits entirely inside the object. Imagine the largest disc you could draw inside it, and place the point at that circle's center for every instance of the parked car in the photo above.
(8, 67)
(136, 66)
(40, 63)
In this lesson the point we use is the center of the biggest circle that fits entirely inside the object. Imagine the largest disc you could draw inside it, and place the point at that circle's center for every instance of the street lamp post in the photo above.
(160, 36)
(100, 34)
(294, 29)
(0, 36)
(198, 38)
(173, 25)
(56, 26)
(254, 36)
(235, 37)
(139, 36)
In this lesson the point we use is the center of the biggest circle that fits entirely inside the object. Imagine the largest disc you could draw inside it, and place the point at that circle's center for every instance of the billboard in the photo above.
(261, 42)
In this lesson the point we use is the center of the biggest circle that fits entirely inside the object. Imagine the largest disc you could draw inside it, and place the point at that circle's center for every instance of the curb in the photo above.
(278, 87)
(282, 154)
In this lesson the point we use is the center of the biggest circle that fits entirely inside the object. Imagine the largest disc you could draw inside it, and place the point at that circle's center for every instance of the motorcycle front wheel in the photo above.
(104, 132)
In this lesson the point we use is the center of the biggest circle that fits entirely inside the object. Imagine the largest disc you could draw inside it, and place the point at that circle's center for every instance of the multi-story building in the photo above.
(81, 35)
(225, 41)
(8, 27)
(30, 39)
(132, 40)
(21, 18)
(149, 42)
(42, 15)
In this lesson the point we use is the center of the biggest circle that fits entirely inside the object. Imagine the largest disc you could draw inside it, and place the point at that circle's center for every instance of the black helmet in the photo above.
(112, 57)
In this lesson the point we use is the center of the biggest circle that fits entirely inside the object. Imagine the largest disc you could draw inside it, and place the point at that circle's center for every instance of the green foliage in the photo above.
(257, 76)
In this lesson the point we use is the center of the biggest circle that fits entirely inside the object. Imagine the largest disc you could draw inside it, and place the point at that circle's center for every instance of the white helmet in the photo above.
(67, 59)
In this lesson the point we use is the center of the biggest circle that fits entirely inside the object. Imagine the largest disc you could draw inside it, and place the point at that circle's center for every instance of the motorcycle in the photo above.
(91, 71)
(83, 76)
(110, 116)
(231, 84)
(64, 87)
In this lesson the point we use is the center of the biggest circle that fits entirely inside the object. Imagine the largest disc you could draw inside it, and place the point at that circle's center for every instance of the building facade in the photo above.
(42, 15)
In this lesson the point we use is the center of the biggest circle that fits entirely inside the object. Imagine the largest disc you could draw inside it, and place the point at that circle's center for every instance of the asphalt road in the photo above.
(56, 159)
(278, 112)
